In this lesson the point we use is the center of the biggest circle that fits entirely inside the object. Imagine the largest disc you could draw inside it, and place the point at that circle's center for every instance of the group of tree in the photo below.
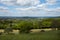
(26, 25)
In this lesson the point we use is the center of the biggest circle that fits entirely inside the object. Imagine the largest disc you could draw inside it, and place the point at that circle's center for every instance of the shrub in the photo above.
(1, 33)
(25, 27)
(8, 30)
(42, 31)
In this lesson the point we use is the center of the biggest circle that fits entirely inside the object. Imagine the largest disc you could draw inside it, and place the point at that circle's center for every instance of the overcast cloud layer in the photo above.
(29, 8)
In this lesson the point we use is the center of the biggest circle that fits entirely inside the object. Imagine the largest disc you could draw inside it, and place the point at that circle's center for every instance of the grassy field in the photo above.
(50, 35)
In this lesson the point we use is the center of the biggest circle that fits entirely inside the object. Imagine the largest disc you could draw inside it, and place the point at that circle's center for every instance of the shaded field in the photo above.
(50, 35)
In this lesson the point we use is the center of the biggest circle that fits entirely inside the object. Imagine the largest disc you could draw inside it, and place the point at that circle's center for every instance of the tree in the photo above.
(36, 24)
(25, 26)
(46, 23)
(56, 23)
(9, 28)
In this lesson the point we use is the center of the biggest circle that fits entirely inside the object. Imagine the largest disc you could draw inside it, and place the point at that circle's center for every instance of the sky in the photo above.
(33, 8)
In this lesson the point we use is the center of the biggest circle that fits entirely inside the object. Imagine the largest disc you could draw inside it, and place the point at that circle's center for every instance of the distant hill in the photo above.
(26, 17)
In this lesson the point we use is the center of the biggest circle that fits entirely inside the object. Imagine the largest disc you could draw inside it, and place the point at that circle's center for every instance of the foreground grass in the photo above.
(52, 35)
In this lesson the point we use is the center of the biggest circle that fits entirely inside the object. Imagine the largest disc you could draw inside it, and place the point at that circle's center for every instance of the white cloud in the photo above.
(32, 10)
(58, 9)
(53, 12)
(42, 6)
(20, 2)
(28, 2)
(40, 10)
(4, 9)
(8, 2)
(51, 1)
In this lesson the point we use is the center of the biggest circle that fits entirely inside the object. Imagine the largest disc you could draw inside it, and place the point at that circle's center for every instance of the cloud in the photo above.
(4, 9)
(28, 2)
(20, 2)
(8, 2)
(51, 1)
(53, 12)
(39, 10)
(29, 8)
(40, 6)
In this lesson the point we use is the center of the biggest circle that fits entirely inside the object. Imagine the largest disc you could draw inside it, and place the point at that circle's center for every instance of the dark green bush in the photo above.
(8, 30)
(1, 33)
(42, 31)
(25, 27)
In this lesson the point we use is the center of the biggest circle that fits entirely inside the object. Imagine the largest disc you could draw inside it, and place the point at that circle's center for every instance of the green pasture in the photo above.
(50, 35)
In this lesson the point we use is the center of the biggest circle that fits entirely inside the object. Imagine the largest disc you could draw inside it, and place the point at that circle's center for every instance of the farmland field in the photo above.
(50, 35)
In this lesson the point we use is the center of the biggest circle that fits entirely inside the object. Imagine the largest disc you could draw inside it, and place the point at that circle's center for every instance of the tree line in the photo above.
(27, 25)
